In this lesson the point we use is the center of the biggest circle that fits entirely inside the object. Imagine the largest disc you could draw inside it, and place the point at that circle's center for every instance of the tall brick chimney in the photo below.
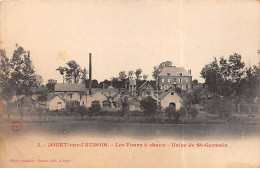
(90, 75)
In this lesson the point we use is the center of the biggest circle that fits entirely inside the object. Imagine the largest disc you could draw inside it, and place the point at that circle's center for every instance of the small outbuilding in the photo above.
(170, 97)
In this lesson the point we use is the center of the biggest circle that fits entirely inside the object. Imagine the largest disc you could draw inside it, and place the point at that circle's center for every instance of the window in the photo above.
(169, 80)
(162, 80)
(187, 87)
(168, 74)
(183, 87)
(175, 80)
(70, 96)
(83, 102)
(80, 96)
(172, 93)
(162, 87)
(180, 80)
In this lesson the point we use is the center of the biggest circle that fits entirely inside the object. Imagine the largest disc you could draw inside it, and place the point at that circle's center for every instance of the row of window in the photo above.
(183, 87)
(175, 80)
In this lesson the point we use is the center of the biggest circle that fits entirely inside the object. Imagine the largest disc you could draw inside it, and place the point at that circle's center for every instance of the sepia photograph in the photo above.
(130, 84)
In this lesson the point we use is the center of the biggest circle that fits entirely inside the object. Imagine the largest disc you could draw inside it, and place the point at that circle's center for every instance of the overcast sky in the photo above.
(126, 35)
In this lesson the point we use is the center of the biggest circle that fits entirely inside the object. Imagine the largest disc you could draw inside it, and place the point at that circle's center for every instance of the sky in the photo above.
(126, 35)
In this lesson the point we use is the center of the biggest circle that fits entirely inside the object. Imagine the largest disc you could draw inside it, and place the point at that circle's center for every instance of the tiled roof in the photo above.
(174, 71)
(69, 87)
(164, 93)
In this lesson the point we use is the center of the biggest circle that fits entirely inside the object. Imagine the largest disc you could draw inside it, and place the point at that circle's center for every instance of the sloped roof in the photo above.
(164, 93)
(148, 84)
(131, 99)
(110, 88)
(35, 96)
(52, 95)
(69, 87)
(174, 71)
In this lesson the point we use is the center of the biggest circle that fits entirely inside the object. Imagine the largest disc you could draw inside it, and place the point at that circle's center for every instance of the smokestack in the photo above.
(189, 71)
(90, 75)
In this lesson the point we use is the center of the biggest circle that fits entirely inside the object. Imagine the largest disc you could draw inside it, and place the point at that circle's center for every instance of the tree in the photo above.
(73, 72)
(7, 92)
(122, 75)
(4, 68)
(211, 74)
(172, 113)
(95, 83)
(62, 72)
(130, 74)
(138, 73)
(6, 89)
(22, 71)
(17, 74)
(195, 82)
(149, 105)
(158, 69)
(105, 83)
(225, 77)
(123, 78)
(145, 76)
(39, 80)
(51, 85)
(84, 75)
(249, 88)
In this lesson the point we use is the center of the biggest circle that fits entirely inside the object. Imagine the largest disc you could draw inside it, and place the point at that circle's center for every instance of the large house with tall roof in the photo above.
(174, 77)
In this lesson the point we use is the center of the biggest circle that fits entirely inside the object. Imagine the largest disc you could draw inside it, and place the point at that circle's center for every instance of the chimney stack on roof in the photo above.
(189, 71)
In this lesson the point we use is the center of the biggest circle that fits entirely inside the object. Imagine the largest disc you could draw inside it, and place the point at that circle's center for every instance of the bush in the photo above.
(193, 111)
(95, 107)
(219, 106)
(72, 106)
(171, 112)
(125, 107)
(182, 111)
(82, 111)
(149, 105)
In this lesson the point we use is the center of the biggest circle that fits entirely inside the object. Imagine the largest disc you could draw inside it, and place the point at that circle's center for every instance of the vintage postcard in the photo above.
(120, 83)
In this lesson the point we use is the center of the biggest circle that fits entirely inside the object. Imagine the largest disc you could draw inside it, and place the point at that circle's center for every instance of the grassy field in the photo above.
(204, 125)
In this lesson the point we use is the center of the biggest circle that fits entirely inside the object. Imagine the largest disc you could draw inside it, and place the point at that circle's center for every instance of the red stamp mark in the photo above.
(16, 126)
